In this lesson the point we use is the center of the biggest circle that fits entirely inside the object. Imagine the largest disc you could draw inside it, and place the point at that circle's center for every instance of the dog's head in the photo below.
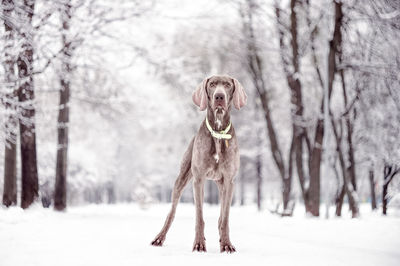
(218, 93)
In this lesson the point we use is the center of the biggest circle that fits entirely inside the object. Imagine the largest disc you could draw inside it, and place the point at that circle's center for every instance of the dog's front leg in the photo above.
(199, 240)
(226, 192)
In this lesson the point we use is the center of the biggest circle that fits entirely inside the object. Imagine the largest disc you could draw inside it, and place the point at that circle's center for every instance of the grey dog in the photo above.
(212, 154)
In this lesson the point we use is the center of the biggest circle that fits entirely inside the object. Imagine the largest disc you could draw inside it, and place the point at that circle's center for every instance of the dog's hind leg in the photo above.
(184, 176)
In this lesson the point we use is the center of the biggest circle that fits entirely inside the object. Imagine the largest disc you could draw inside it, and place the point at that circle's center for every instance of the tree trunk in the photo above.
(291, 68)
(29, 173)
(259, 181)
(256, 71)
(384, 199)
(372, 187)
(11, 124)
(60, 192)
(335, 51)
(315, 159)
(349, 126)
(348, 187)
(315, 151)
(242, 187)
(287, 181)
(10, 176)
(339, 202)
(389, 172)
(286, 192)
(111, 199)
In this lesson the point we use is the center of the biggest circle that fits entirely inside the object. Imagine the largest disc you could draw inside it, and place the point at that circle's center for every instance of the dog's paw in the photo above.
(200, 245)
(226, 246)
(158, 241)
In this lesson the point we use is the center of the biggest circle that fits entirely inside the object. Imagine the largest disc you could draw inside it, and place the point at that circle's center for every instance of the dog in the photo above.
(212, 154)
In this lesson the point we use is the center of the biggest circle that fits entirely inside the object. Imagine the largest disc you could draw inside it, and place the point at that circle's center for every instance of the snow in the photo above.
(120, 235)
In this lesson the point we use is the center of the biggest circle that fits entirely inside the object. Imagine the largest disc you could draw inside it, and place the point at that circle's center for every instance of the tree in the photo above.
(335, 55)
(98, 17)
(11, 103)
(301, 143)
(26, 95)
(254, 66)
(372, 63)
(60, 192)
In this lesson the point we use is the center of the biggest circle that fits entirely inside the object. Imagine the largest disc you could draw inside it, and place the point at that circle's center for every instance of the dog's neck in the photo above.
(218, 121)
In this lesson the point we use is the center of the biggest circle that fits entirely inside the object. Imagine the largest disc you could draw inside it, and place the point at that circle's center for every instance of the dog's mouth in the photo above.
(219, 106)
(219, 111)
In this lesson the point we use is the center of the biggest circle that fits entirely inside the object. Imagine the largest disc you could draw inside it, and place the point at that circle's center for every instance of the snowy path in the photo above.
(120, 235)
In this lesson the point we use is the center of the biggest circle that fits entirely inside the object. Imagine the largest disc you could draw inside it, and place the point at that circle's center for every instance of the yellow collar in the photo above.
(221, 134)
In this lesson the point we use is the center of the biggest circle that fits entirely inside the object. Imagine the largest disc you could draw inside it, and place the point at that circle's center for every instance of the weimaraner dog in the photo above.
(212, 154)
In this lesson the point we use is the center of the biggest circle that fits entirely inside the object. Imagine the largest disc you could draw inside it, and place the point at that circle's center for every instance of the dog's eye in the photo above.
(227, 85)
(212, 84)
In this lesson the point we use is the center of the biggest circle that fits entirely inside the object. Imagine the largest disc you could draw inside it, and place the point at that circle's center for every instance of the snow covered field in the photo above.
(120, 235)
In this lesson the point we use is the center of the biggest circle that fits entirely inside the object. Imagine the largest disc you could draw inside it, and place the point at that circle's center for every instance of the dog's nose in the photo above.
(219, 96)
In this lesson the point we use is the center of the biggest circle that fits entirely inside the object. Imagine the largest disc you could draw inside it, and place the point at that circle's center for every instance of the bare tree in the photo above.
(60, 192)
(348, 172)
(254, 65)
(11, 104)
(378, 74)
(350, 168)
(99, 16)
(26, 95)
(301, 143)
(309, 170)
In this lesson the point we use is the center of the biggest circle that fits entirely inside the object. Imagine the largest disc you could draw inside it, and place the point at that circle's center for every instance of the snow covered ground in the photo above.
(120, 235)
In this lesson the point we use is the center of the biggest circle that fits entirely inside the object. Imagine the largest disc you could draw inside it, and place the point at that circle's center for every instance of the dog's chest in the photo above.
(217, 166)
(214, 174)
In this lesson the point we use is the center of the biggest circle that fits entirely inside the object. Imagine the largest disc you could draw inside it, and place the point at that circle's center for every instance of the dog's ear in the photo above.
(199, 96)
(239, 96)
